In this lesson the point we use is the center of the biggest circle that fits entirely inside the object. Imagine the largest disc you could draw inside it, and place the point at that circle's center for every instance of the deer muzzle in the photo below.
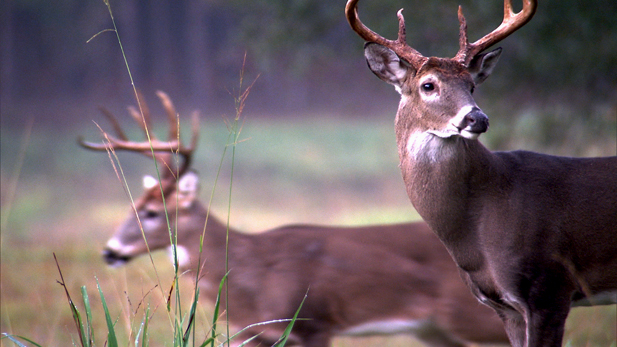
(113, 258)
(474, 123)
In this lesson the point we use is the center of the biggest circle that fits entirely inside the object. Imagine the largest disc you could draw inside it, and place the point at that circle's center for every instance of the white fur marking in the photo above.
(388, 327)
(184, 259)
(396, 69)
(456, 126)
(149, 182)
(459, 122)
(459, 119)
(427, 145)
(115, 245)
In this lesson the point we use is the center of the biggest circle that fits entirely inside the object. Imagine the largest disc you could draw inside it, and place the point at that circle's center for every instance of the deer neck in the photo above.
(446, 180)
(215, 240)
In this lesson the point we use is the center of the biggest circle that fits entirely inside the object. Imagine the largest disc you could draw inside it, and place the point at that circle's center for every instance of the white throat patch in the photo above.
(429, 146)
(184, 259)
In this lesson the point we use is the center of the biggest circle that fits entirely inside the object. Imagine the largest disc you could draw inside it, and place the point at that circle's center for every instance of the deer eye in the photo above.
(428, 87)
(473, 89)
(151, 214)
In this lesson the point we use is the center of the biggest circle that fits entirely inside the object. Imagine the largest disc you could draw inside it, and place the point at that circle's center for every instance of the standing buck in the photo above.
(531, 232)
(385, 279)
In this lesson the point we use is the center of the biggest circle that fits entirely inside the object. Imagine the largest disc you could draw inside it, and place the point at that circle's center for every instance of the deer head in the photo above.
(436, 93)
(168, 204)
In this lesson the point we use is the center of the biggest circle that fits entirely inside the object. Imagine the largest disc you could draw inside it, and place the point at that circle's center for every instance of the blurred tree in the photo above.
(308, 57)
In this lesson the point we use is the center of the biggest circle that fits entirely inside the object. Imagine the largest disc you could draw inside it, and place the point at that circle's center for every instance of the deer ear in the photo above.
(482, 65)
(188, 188)
(386, 64)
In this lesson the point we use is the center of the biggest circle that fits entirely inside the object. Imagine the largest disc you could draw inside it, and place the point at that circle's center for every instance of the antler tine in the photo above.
(399, 46)
(171, 115)
(511, 22)
(111, 140)
(142, 118)
(114, 123)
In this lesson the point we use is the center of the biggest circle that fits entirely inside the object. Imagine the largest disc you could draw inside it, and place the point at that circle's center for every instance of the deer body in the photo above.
(383, 279)
(532, 233)
(360, 280)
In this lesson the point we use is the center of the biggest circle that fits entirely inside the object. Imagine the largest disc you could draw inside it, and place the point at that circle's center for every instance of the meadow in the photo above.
(59, 198)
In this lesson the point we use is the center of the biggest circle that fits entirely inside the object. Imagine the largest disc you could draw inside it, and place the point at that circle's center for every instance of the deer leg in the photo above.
(545, 326)
(515, 326)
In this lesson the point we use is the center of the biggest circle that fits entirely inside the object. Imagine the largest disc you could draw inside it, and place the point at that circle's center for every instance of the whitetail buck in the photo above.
(384, 279)
(532, 233)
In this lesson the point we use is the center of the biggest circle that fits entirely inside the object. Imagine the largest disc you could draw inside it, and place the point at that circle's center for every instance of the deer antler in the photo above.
(511, 22)
(399, 46)
(163, 150)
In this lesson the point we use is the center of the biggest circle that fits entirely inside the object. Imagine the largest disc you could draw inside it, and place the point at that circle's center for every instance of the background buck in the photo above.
(530, 232)
(382, 279)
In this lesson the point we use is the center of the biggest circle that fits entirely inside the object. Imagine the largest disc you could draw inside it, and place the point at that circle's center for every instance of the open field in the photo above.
(67, 201)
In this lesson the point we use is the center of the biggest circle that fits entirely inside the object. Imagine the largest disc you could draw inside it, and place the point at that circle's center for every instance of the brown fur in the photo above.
(352, 275)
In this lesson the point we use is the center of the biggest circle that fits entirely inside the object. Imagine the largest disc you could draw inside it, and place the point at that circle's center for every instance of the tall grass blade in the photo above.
(209, 340)
(217, 304)
(191, 317)
(247, 341)
(112, 341)
(14, 338)
(287, 331)
(83, 338)
(144, 330)
(265, 323)
(88, 332)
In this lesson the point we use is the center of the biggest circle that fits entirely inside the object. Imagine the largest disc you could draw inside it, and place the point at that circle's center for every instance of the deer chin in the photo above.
(444, 134)
(454, 131)
(470, 135)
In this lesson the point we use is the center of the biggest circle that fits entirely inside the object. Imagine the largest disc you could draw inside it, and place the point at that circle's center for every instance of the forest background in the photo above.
(308, 59)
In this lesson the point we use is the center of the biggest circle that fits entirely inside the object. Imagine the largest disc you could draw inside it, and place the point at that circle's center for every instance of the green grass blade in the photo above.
(217, 304)
(266, 323)
(191, 317)
(245, 342)
(281, 342)
(145, 335)
(112, 341)
(14, 338)
(209, 340)
(88, 333)
(76, 315)
(143, 330)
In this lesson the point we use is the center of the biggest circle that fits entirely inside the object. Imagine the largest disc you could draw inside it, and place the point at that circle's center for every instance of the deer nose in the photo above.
(475, 121)
(114, 259)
